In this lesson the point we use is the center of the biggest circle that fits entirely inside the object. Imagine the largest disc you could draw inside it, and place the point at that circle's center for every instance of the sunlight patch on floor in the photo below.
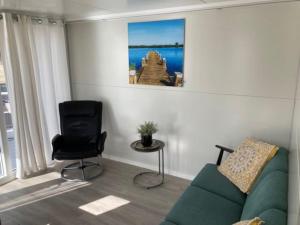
(104, 205)
(25, 183)
(12, 201)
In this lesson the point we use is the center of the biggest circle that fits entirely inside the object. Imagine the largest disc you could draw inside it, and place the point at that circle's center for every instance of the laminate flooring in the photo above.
(49, 200)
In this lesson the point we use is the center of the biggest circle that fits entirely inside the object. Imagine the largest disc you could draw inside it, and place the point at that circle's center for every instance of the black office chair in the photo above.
(80, 136)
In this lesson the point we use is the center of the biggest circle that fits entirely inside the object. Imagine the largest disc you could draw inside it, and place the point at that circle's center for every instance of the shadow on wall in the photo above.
(122, 131)
(115, 137)
(172, 140)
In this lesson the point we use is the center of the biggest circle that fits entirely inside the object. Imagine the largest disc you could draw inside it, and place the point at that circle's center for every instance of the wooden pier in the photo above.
(154, 71)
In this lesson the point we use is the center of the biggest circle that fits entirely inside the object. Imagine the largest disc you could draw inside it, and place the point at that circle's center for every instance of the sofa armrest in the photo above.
(222, 149)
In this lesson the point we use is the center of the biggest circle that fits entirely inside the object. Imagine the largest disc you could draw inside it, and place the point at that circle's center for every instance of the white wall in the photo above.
(240, 71)
(294, 178)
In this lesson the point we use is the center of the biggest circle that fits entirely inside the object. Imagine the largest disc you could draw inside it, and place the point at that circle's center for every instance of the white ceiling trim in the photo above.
(198, 7)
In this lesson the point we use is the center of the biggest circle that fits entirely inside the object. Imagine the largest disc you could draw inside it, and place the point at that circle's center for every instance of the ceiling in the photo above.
(80, 9)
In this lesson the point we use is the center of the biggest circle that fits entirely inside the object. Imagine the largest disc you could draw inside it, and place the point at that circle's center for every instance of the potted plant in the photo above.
(132, 69)
(146, 130)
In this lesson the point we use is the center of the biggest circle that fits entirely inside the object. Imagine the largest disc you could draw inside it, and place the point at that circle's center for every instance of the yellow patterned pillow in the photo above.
(255, 221)
(244, 165)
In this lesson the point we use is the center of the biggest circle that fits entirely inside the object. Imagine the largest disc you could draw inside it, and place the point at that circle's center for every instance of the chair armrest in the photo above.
(56, 143)
(222, 149)
(101, 141)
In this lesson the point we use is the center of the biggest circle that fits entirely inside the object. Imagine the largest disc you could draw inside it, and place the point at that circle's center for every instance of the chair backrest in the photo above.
(80, 118)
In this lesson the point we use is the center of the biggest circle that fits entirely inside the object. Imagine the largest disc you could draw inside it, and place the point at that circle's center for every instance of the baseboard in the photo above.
(148, 166)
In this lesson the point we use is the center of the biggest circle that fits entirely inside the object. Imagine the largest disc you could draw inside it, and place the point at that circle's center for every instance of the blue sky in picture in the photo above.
(161, 32)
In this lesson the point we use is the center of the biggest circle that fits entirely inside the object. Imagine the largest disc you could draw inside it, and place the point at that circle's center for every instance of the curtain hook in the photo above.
(15, 17)
(52, 21)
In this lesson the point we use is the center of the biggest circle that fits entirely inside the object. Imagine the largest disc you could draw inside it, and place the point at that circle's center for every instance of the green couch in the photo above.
(212, 199)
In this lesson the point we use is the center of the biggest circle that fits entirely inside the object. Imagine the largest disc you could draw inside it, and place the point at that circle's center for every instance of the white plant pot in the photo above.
(132, 72)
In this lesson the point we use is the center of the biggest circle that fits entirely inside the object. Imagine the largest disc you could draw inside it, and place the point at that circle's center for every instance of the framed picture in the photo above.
(156, 52)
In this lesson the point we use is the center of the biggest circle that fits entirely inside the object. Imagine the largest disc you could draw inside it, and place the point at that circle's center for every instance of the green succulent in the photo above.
(148, 128)
(132, 66)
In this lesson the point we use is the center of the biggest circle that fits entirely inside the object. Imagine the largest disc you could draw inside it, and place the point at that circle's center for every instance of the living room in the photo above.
(189, 75)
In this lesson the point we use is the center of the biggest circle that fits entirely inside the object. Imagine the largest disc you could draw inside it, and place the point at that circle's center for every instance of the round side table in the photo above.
(157, 146)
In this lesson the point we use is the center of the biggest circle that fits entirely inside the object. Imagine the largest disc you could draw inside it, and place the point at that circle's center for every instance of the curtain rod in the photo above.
(32, 15)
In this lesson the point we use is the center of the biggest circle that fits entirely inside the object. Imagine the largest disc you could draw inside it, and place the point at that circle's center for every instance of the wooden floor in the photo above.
(153, 72)
(48, 200)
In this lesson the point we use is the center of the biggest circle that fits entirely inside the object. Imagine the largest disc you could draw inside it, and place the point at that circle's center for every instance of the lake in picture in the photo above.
(156, 52)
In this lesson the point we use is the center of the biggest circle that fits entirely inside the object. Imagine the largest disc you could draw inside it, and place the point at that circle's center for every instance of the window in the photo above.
(7, 148)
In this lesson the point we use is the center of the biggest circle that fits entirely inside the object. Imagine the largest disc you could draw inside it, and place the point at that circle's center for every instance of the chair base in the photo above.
(81, 165)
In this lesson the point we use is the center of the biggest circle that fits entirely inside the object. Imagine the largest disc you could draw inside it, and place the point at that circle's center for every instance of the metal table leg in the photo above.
(161, 172)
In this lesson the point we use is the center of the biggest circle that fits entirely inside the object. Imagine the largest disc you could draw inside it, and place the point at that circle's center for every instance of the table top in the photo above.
(156, 146)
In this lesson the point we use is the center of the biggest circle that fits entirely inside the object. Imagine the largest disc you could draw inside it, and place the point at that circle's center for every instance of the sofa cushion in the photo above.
(274, 217)
(278, 163)
(212, 180)
(270, 192)
(200, 207)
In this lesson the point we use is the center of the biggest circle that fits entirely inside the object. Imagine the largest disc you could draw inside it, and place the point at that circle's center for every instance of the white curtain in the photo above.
(36, 68)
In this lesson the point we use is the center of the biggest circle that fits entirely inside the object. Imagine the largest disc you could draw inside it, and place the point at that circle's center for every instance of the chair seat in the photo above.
(200, 207)
(60, 155)
(212, 180)
(72, 148)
